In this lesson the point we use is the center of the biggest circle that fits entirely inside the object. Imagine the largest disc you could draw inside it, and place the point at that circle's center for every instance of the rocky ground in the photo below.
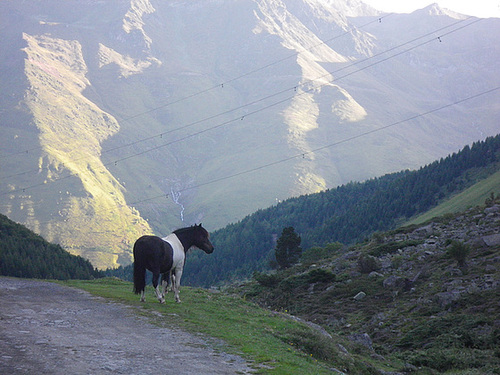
(404, 295)
(46, 328)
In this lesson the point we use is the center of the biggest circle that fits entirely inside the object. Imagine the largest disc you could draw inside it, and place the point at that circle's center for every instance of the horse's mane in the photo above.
(183, 230)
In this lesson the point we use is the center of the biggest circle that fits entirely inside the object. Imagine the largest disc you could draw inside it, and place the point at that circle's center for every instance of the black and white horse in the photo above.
(166, 256)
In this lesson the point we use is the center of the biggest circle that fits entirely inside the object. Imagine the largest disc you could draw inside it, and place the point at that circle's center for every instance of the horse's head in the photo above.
(202, 239)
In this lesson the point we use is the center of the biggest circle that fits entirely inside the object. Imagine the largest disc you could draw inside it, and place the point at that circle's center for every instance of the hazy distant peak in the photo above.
(436, 10)
(348, 8)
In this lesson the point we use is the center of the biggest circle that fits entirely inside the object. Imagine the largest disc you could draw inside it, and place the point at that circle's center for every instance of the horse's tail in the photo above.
(139, 270)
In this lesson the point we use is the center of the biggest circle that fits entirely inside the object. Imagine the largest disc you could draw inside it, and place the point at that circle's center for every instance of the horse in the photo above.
(166, 256)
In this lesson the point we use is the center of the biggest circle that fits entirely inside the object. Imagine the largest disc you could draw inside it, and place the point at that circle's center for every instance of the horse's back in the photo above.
(153, 252)
(146, 242)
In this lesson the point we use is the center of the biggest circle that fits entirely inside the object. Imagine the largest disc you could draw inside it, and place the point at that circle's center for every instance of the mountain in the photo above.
(137, 116)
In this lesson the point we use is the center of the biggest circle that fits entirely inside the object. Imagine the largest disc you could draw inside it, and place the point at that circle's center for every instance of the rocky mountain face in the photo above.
(135, 116)
(425, 296)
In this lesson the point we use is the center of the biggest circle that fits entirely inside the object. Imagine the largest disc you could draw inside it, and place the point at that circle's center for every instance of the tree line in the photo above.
(23, 253)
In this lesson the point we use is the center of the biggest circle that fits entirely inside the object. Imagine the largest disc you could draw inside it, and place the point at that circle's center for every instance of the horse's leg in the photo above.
(172, 280)
(143, 297)
(165, 277)
(176, 283)
(171, 277)
(156, 276)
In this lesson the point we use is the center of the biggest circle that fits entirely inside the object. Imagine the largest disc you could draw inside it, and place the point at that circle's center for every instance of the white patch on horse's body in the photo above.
(179, 258)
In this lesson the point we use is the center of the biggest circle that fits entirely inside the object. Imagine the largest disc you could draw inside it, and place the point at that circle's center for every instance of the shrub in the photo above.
(450, 359)
(313, 254)
(367, 264)
(459, 251)
(320, 276)
(267, 280)
(317, 253)
(392, 247)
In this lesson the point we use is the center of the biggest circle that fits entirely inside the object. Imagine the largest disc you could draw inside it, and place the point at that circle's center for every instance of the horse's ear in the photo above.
(199, 225)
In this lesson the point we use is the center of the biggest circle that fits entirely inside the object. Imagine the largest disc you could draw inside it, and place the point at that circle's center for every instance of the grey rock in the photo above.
(359, 296)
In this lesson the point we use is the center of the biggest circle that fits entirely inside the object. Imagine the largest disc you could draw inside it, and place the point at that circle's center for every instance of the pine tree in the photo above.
(288, 250)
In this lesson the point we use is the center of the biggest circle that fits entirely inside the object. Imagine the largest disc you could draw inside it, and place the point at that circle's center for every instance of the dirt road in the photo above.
(46, 328)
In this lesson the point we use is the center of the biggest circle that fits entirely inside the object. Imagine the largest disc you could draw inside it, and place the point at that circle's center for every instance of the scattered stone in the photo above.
(342, 349)
(492, 210)
(490, 268)
(424, 231)
(392, 281)
(359, 296)
(362, 339)
(447, 298)
(492, 240)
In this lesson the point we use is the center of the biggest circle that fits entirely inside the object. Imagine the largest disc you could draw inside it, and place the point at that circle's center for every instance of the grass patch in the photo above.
(259, 335)
(471, 197)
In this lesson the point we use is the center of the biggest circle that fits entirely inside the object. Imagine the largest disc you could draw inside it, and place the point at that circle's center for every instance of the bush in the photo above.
(313, 254)
(459, 251)
(317, 253)
(392, 247)
(444, 360)
(367, 264)
(320, 276)
(267, 280)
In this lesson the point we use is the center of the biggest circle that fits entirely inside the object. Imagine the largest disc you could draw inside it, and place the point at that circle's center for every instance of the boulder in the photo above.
(362, 339)
(492, 210)
(492, 240)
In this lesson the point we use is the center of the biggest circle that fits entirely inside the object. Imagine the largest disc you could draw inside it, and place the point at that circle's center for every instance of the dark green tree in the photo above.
(288, 250)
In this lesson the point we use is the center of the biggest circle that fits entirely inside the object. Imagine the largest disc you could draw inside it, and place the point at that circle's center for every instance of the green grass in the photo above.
(273, 343)
(471, 197)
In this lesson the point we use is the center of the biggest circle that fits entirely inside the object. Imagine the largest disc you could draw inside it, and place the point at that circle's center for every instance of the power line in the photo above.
(296, 95)
(278, 102)
(294, 88)
(302, 154)
(220, 85)
(290, 89)
(345, 140)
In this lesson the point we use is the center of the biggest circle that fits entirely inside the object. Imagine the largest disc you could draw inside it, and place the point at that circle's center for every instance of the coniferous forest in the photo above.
(26, 254)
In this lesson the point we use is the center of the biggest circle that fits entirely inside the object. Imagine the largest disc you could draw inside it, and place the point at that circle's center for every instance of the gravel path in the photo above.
(46, 328)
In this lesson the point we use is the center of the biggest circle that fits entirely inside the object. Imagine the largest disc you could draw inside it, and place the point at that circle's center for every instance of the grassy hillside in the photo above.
(471, 197)
(421, 299)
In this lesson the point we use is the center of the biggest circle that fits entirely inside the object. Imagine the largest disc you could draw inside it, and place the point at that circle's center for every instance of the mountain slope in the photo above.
(136, 116)
(423, 298)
